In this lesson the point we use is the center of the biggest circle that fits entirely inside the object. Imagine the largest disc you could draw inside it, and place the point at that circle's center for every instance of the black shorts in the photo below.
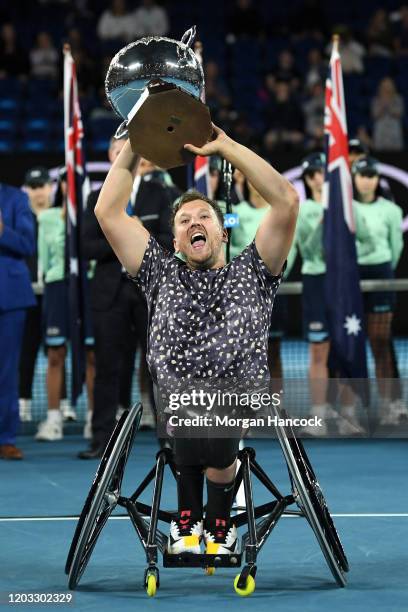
(217, 453)
(378, 301)
(315, 320)
(56, 315)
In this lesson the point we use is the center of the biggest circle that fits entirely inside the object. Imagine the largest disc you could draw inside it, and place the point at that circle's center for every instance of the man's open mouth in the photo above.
(198, 240)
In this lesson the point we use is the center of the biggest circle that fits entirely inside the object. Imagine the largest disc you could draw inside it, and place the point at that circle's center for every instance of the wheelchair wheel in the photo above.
(310, 498)
(103, 495)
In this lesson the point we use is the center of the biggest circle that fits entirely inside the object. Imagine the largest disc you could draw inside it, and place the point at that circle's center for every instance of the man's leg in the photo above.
(187, 529)
(110, 328)
(220, 535)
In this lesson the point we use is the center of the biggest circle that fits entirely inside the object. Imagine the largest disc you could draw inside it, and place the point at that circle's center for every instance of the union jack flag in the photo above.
(77, 192)
(343, 295)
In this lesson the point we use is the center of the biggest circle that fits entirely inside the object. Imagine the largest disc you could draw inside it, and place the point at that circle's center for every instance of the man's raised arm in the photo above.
(275, 234)
(126, 235)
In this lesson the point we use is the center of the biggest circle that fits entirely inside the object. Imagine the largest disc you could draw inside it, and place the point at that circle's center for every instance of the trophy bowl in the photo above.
(155, 84)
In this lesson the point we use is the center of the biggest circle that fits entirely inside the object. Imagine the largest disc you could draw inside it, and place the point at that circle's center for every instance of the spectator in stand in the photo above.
(116, 22)
(16, 295)
(286, 70)
(245, 20)
(401, 31)
(313, 110)
(379, 35)
(243, 132)
(150, 20)
(44, 58)
(352, 52)
(387, 110)
(284, 120)
(13, 60)
(217, 95)
(38, 186)
(317, 70)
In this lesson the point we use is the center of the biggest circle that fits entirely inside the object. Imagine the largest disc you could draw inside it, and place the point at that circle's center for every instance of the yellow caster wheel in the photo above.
(249, 586)
(210, 571)
(151, 586)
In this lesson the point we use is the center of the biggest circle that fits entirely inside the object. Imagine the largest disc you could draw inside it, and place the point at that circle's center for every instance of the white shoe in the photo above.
(348, 423)
(88, 426)
(185, 536)
(24, 406)
(323, 412)
(50, 430)
(221, 542)
(393, 413)
(67, 410)
(148, 420)
(120, 411)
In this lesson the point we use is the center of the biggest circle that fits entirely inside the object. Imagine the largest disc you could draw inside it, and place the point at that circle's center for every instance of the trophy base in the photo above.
(165, 119)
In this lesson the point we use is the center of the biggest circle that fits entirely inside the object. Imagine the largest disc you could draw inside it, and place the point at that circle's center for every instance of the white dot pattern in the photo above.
(207, 323)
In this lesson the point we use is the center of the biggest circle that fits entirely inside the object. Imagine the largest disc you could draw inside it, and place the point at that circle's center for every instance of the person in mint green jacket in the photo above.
(51, 260)
(250, 214)
(384, 221)
(308, 242)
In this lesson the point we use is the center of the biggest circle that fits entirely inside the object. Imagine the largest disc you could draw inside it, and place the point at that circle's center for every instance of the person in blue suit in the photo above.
(16, 295)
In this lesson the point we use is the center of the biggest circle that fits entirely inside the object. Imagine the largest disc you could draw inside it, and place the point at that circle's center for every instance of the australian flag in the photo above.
(343, 295)
(77, 189)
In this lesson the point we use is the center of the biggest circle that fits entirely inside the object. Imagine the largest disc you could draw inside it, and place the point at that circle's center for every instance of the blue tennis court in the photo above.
(364, 482)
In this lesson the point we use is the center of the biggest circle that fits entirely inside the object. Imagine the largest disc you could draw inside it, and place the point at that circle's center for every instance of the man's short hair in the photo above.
(192, 195)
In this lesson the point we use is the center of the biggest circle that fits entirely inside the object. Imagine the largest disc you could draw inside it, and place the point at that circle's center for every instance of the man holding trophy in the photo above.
(198, 305)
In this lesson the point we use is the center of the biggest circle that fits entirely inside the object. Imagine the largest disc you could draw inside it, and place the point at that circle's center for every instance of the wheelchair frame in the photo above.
(105, 495)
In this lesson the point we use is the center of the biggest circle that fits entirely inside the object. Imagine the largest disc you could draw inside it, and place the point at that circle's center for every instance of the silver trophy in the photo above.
(155, 84)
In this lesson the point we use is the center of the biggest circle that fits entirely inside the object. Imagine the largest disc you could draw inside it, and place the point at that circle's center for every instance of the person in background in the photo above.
(150, 19)
(384, 221)
(51, 256)
(117, 306)
(149, 172)
(38, 186)
(250, 214)
(309, 242)
(44, 57)
(387, 111)
(116, 22)
(16, 295)
(13, 59)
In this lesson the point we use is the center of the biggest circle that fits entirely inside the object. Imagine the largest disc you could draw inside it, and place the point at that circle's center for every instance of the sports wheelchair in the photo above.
(105, 495)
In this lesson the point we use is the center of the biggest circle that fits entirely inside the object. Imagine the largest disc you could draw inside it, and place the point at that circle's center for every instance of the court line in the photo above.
(12, 519)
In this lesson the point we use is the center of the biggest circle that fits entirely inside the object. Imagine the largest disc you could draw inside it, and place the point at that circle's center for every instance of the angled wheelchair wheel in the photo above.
(103, 495)
(310, 499)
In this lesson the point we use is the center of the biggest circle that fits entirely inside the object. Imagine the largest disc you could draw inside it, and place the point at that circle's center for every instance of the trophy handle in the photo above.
(122, 130)
(189, 36)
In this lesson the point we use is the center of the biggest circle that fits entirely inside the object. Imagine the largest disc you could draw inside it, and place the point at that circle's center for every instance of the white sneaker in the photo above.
(185, 536)
(88, 426)
(348, 423)
(398, 407)
(50, 430)
(393, 413)
(323, 412)
(24, 406)
(221, 542)
(67, 410)
(148, 421)
(120, 410)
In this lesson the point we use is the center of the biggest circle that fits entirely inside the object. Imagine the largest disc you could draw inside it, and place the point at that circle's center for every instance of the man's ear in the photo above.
(224, 236)
(175, 245)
